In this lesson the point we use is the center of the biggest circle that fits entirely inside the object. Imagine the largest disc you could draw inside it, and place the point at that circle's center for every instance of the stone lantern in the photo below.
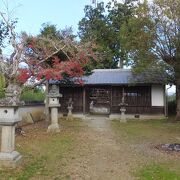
(54, 104)
(70, 107)
(9, 117)
(123, 108)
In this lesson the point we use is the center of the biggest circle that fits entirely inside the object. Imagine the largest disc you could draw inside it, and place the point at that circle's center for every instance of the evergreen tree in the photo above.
(102, 25)
(152, 37)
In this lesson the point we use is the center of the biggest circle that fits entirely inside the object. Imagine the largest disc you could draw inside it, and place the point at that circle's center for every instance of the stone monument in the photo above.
(70, 107)
(123, 108)
(54, 104)
(9, 117)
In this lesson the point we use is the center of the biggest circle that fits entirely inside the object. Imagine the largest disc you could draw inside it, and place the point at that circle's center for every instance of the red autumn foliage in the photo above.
(59, 68)
(44, 61)
(23, 75)
(35, 59)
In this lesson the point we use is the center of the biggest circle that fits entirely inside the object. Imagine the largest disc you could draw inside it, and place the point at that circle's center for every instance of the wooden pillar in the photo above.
(111, 100)
(84, 100)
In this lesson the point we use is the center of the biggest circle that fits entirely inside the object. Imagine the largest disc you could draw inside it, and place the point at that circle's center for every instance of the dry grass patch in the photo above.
(141, 137)
(45, 155)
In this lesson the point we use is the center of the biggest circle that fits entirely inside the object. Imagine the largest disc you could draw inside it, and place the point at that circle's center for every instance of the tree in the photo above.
(102, 25)
(51, 31)
(3, 34)
(152, 36)
(36, 59)
(2, 85)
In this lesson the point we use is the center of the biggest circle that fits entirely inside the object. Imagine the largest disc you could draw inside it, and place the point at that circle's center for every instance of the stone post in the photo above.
(54, 105)
(123, 107)
(123, 116)
(70, 110)
(9, 116)
(70, 107)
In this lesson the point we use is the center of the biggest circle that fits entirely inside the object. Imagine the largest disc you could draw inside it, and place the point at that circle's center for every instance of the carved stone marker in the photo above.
(70, 107)
(54, 105)
(123, 115)
(9, 116)
(123, 109)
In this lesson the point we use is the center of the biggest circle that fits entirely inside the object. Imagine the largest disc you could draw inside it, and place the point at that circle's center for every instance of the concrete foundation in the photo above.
(139, 116)
(53, 128)
(10, 159)
(118, 116)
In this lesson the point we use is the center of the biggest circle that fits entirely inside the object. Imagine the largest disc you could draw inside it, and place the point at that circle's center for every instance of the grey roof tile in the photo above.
(114, 76)
(108, 76)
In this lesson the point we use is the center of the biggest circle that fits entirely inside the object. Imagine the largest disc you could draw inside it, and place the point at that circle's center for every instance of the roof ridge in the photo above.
(113, 70)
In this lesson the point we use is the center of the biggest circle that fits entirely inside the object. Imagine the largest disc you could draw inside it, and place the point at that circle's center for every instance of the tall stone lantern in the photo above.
(54, 104)
(9, 117)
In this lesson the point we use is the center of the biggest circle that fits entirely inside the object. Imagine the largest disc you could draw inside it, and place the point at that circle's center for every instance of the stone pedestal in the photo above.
(54, 126)
(69, 115)
(123, 115)
(9, 116)
(7, 139)
(54, 105)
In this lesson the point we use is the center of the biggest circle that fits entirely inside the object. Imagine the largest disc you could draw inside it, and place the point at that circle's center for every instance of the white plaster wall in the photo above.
(157, 95)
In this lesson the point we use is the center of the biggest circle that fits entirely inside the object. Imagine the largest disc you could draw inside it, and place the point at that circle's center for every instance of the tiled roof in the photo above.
(113, 76)
(108, 76)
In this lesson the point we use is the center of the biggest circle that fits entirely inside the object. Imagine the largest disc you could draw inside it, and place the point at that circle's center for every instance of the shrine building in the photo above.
(102, 93)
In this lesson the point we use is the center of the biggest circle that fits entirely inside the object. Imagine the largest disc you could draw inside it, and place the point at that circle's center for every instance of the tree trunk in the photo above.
(178, 101)
(177, 82)
(121, 63)
(47, 113)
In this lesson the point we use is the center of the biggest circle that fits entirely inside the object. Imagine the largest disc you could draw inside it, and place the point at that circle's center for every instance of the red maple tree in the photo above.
(36, 59)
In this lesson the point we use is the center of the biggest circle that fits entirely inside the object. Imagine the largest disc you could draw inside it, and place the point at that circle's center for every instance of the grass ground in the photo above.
(45, 155)
(143, 136)
(92, 150)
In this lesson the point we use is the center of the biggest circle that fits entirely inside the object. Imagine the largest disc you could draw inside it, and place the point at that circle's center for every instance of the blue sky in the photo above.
(32, 14)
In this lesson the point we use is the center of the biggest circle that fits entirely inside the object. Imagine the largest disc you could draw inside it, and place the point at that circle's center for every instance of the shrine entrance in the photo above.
(99, 100)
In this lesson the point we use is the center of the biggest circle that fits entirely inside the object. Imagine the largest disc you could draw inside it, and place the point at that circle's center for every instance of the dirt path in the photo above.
(99, 156)
(96, 149)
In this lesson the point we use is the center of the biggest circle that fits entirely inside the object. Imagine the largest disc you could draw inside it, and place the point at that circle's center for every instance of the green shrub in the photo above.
(36, 94)
(2, 86)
